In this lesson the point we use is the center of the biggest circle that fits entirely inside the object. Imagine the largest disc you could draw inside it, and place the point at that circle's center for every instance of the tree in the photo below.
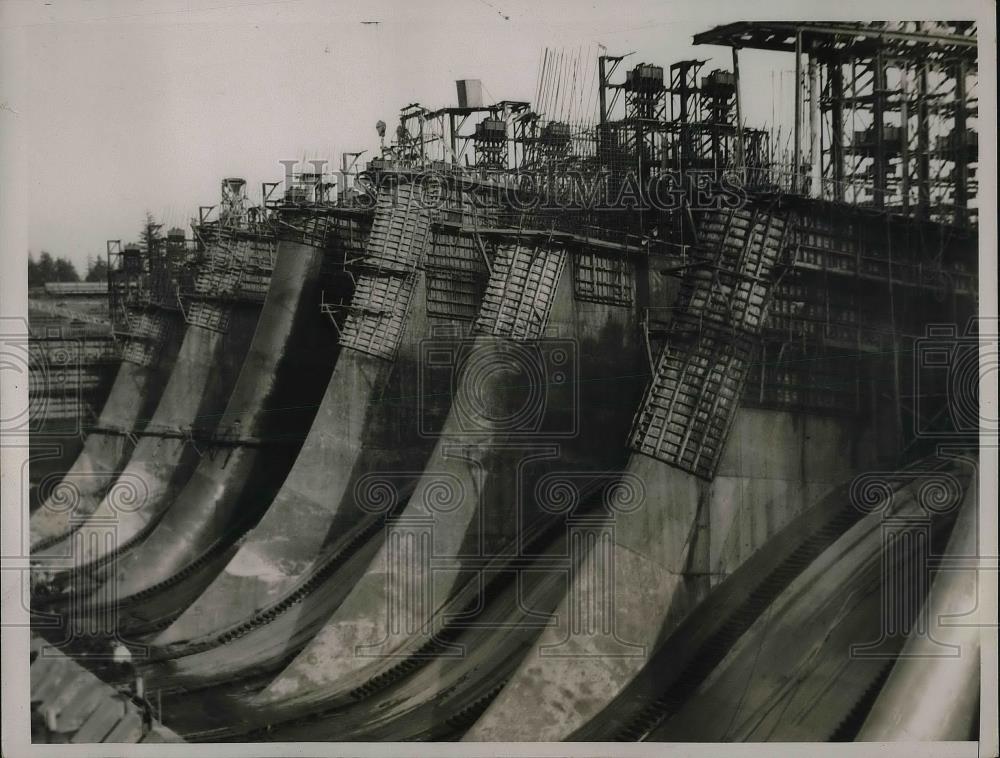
(65, 271)
(150, 237)
(97, 271)
(46, 269)
(34, 278)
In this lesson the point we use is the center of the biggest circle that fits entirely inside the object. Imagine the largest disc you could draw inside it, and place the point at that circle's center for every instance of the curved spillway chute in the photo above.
(352, 492)
(287, 365)
(208, 362)
(438, 693)
(481, 486)
(358, 432)
(816, 580)
(932, 691)
(822, 650)
(355, 454)
(137, 388)
(365, 451)
(450, 695)
(330, 670)
(660, 555)
(689, 430)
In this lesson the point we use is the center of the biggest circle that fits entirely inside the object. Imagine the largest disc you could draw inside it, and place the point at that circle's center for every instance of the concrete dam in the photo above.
(531, 430)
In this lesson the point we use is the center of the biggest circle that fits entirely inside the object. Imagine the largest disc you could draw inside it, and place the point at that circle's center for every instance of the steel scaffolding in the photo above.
(885, 114)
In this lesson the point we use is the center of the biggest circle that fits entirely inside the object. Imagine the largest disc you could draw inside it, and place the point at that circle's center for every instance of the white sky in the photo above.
(135, 106)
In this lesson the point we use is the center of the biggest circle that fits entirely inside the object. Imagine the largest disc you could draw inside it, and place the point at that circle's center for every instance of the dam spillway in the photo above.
(545, 431)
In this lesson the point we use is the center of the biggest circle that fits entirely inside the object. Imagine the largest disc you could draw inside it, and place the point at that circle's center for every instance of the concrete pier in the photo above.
(273, 399)
(515, 419)
(130, 404)
(367, 446)
(205, 372)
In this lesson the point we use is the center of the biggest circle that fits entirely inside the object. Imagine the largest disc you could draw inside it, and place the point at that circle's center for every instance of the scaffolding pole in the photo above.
(797, 137)
(815, 155)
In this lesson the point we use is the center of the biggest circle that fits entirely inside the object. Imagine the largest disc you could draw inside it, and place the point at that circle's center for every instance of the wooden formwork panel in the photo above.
(457, 274)
(323, 231)
(456, 252)
(400, 230)
(699, 379)
(734, 266)
(603, 278)
(378, 312)
(685, 417)
(141, 353)
(389, 270)
(147, 332)
(807, 376)
(208, 315)
(520, 291)
(449, 295)
(237, 269)
(156, 326)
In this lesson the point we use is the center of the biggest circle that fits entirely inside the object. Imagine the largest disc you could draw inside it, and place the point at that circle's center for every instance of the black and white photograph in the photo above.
(500, 373)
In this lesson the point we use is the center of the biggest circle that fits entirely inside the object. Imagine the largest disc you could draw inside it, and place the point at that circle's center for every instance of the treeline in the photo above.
(49, 269)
